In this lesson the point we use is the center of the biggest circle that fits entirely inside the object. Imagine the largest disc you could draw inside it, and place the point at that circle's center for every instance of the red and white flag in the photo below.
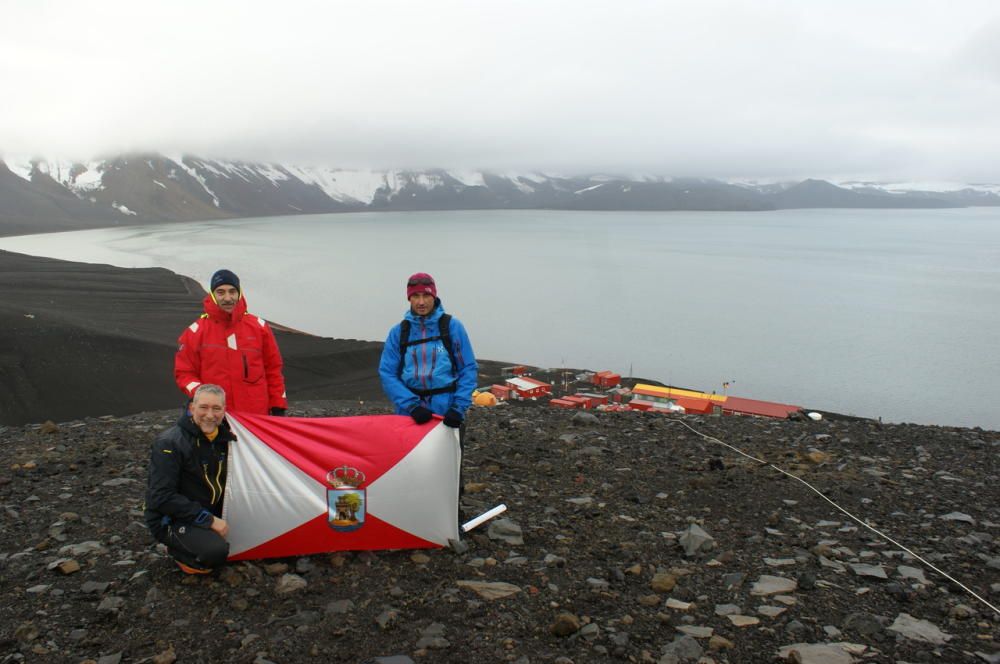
(297, 486)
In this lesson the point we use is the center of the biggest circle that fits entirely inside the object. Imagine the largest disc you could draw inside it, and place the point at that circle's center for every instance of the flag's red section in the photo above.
(373, 445)
(316, 536)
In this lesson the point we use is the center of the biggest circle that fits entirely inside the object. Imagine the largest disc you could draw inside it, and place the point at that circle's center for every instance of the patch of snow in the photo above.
(89, 179)
(149, 162)
(239, 170)
(197, 176)
(540, 178)
(208, 166)
(596, 186)
(21, 169)
(121, 208)
(522, 181)
(763, 184)
(469, 178)
(271, 172)
(157, 182)
(940, 186)
(427, 180)
(77, 177)
(342, 186)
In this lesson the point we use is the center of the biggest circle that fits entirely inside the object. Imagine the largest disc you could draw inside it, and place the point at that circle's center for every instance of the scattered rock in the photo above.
(695, 539)
(565, 624)
(816, 653)
(507, 531)
(918, 630)
(490, 590)
(663, 582)
(290, 583)
(771, 585)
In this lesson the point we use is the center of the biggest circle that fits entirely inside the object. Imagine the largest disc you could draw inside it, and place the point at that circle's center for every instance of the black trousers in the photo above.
(195, 546)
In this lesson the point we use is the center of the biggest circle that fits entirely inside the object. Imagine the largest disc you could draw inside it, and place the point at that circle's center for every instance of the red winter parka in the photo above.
(235, 351)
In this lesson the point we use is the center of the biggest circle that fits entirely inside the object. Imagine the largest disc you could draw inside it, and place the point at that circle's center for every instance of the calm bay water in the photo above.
(890, 313)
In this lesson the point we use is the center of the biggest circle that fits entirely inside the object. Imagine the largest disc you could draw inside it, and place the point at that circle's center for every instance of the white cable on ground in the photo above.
(820, 494)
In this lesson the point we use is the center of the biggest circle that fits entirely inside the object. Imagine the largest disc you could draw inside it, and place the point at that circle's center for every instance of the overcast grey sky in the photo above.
(903, 89)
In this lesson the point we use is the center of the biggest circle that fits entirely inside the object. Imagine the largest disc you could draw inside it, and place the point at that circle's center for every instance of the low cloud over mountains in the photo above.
(40, 195)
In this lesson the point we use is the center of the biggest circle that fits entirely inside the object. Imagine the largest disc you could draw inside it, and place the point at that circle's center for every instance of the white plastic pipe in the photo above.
(485, 516)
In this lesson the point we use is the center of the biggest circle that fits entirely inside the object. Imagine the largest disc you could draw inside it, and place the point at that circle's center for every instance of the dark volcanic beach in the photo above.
(80, 340)
(629, 536)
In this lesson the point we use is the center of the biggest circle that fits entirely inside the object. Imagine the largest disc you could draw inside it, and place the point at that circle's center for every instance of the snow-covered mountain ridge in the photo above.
(153, 187)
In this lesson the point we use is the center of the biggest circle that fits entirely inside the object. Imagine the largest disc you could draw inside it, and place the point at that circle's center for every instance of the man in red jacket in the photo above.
(233, 349)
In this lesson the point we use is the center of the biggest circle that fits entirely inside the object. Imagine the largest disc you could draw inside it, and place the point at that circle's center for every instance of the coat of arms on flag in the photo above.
(345, 500)
(298, 486)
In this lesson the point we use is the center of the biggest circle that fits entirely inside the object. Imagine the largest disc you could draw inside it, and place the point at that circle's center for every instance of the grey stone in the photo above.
(552, 560)
(289, 583)
(111, 604)
(914, 573)
(387, 618)
(94, 587)
(82, 549)
(815, 653)
(772, 585)
(119, 481)
(958, 516)
(873, 571)
(582, 418)
(685, 649)
(507, 531)
(695, 539)
(696, 631)
(865, 625)
(918, 630)
(727, 609)
(732, 580)
(339, 606)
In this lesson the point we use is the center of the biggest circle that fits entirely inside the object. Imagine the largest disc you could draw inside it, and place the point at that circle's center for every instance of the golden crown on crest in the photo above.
(345, 476)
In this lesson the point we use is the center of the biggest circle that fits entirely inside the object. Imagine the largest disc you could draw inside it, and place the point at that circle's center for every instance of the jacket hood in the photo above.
(218, 313)
(432, 317)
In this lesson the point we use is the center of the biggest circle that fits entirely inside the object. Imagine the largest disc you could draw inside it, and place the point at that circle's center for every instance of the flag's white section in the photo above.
(419, 494)
(274, 495)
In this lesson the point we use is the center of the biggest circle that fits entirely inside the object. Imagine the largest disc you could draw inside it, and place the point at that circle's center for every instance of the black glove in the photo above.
(421, 415)
(453, 418)
(277, 411)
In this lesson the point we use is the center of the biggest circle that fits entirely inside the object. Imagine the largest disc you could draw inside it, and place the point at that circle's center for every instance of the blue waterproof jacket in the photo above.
(428, 367)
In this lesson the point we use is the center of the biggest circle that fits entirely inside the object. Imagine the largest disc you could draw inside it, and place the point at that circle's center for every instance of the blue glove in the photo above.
(453, 418)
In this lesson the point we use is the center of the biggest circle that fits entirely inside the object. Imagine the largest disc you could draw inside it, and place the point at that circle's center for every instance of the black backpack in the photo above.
(444, 334)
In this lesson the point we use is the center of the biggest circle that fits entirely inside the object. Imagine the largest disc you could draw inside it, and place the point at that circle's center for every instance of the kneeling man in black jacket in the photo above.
(187, 478)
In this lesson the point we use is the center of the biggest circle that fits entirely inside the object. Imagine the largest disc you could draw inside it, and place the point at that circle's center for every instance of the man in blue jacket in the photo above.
(427, 365)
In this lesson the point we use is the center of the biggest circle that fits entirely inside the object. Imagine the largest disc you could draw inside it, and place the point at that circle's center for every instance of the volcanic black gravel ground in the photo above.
(602, 502)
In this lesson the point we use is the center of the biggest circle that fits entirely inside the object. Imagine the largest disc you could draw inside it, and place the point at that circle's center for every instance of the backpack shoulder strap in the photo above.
(404, 341)
(444, 329)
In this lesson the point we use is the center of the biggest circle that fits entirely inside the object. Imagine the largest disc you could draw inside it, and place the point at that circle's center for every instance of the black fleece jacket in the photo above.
(187, 475)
